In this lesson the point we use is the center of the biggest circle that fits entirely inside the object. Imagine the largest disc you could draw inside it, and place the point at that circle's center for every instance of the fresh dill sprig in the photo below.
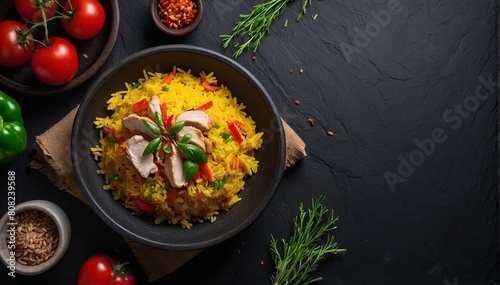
(306, 247)
(252, 28)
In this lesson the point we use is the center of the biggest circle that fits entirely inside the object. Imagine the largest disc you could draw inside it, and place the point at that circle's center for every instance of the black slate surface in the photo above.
(408, 87)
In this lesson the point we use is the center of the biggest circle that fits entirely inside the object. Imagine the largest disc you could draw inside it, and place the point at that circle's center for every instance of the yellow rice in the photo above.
(185, 92)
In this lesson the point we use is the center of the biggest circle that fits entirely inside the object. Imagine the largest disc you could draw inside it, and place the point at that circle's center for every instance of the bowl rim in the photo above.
(62, 222)
(106, 217)
(153, 10)
(82, 78)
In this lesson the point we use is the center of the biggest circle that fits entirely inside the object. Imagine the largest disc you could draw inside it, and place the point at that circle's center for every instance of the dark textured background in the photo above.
(415, 75)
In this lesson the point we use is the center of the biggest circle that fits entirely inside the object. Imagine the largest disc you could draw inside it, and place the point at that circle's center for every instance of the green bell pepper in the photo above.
(13, 136)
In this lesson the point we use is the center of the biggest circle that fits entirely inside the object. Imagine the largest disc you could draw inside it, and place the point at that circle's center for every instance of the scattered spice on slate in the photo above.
(254, 57)
(291, 70)
(311, 121)
(262, 262)
(297, 102)
(301, 70)
(330, 133)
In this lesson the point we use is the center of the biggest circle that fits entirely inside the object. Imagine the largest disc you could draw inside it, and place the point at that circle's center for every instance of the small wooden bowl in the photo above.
(154, 11)
(6, 224)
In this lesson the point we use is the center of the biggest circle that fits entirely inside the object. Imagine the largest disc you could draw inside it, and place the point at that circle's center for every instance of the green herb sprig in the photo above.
(254, 26)
(306, 247)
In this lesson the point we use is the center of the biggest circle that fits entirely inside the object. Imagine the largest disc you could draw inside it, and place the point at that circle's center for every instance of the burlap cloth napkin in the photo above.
(52, 158)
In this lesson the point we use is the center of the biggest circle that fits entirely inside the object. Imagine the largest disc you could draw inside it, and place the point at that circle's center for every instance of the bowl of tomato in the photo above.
(74, 49)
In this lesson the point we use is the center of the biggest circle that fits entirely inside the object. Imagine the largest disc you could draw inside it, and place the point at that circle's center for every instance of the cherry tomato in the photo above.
(88, 17)
(13, 53)
(101, 269)
(56, 64)
(29, 10)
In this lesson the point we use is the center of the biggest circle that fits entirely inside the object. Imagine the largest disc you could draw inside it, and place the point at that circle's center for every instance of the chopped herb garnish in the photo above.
(226, 135)
(114, 177)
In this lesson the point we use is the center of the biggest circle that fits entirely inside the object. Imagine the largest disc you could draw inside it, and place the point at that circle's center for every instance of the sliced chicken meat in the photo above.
(197, 137)
(208, 145)
(134, 123)
(144, 164)
(173, 168)
(153, 107)
(197, 119)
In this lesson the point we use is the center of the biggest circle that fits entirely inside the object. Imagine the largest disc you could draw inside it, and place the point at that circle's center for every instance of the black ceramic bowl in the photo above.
(259, 188)
(92, 53)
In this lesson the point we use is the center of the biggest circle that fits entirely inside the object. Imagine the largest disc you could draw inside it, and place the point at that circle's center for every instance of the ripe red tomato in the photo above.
(87, 19)
(101, 269)
(56, 64)
(28, 10)
(11, 53)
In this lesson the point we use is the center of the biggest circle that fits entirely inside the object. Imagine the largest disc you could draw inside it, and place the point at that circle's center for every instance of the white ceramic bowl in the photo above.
(63, 226)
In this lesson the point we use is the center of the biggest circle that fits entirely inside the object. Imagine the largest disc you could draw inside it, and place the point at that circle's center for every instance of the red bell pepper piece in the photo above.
(146, 207)
(172, 195)
(110, 131)
(197, 175)
(209, 87)
(140, 105)
(241, 126)
(205, 170)
(234, 132)
(163, 109)
(168, 124)
(139, 179)
(119, 150)
(205, 106)
(199, 196)
(168, 80)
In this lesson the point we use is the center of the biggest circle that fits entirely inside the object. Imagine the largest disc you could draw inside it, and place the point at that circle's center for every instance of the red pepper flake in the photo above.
(254, 58)
(297, 102)
(177, 14)
(291, 70)
(262, 262)
(311, 121)
(238, 251)
(330, 133)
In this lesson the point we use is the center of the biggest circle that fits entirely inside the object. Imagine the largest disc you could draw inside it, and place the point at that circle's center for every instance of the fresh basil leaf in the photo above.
(152, 127)
(186, 138)
(167, 148)
(175, 128)
(159, 121)
(190, 169)
(152, 146)
(192, 152)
